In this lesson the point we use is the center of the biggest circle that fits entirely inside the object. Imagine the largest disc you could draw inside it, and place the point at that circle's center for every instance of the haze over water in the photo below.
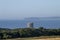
(20, 9)
(23, 23)
(17, 10)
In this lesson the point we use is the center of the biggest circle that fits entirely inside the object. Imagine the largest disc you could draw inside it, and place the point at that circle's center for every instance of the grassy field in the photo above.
(38, 38)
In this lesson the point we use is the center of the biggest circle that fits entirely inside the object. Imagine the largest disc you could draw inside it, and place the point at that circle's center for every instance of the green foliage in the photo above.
(27, 32)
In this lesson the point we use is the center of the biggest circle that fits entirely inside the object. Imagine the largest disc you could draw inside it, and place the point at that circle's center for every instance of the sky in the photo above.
(19, 9)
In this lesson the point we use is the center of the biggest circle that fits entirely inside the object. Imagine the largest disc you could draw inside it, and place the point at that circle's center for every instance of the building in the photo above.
(30, 25)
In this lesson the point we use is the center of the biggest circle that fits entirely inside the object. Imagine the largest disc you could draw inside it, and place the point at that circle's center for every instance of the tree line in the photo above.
(27, 32)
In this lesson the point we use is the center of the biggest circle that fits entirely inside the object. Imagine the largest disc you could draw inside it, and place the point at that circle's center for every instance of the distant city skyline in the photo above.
(20, 9)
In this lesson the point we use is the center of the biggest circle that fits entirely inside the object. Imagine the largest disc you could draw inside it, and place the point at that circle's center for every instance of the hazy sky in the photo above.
(18, 9)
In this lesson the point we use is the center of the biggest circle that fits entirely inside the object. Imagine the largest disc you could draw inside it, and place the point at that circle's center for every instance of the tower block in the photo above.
(30, 25)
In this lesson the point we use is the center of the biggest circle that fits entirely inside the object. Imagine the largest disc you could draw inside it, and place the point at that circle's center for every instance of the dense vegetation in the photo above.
(27, 32)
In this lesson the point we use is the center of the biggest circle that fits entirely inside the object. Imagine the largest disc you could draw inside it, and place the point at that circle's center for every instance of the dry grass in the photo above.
(35, 39)
(38, 38)
(49, 39)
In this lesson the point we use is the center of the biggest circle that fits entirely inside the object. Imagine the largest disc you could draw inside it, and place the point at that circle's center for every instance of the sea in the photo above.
(12, 24)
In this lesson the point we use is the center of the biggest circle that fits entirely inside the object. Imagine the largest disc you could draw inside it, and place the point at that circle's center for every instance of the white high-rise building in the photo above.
(30, 25)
